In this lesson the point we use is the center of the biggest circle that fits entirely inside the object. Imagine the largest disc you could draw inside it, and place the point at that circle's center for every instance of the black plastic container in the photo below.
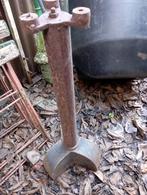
(115, 46)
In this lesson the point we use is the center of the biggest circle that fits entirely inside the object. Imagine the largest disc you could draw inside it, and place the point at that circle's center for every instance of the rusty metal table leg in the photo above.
(71, 149)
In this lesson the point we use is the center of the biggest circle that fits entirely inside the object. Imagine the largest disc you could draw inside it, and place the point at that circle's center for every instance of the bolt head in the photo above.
(51, 3)
(53, 10)
(29, 17)
(53, 13)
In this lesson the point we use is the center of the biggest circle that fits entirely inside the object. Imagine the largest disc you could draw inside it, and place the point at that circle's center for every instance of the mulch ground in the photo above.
(112, 114)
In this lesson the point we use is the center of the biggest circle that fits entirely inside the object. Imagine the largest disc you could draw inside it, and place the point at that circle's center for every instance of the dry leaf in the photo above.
(131, 190)
(116, 132)
(143, 168)
(142, 151)
(142, 130)
(18, 185)
(33, 156)
(142, 190)
(129, 128)
(3, 153)
(31, 192)
(99, 175)
(85, 188)
(63, 183)
(115, 178)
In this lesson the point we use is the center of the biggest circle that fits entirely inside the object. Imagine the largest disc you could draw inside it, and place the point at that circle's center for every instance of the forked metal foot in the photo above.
(59, 158)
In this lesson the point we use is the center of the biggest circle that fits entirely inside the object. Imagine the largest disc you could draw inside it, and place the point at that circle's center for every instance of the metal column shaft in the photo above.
(62, 70)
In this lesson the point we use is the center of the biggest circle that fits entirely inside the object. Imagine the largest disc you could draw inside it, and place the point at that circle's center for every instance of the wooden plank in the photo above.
(12, 24)
(4, 31)
(8, 51)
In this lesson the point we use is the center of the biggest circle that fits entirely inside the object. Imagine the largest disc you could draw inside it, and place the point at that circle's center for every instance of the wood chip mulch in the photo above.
(111, 113)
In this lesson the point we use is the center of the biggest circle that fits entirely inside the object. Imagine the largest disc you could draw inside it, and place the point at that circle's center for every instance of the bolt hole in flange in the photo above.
(29, 20)
(81, 10)
(29, 16)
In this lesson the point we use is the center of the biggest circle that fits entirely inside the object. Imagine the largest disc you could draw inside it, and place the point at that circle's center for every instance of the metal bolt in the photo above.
(53, 13)
(53, 10)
